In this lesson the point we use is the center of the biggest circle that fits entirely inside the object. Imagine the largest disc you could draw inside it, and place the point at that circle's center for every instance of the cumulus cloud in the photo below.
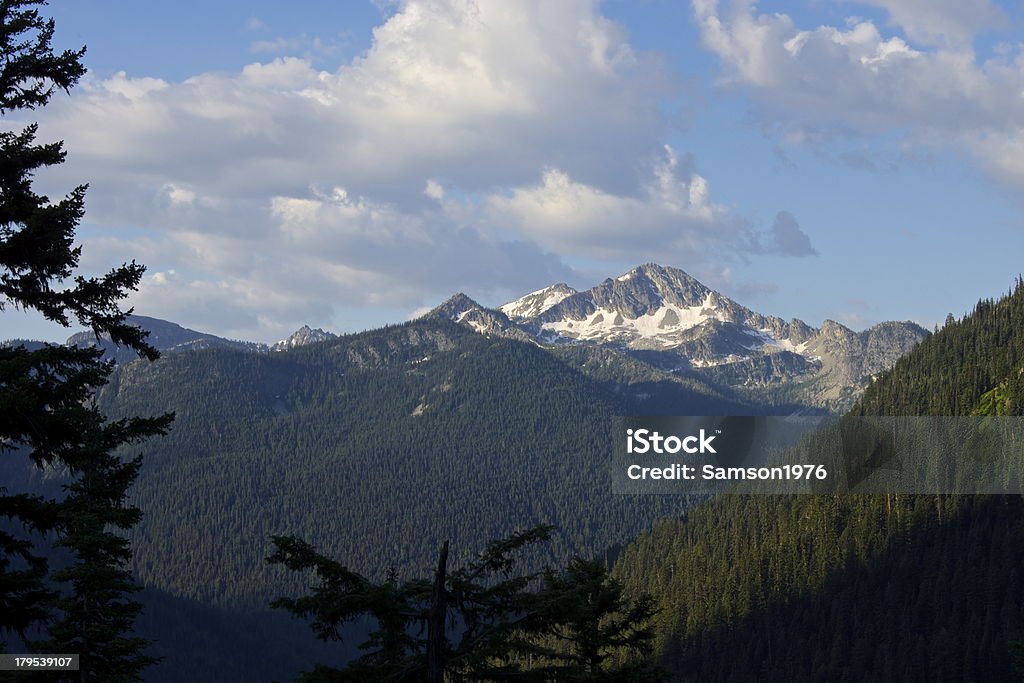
(941, 22)
(322, 252)
(673, 212)
(234, 177)
(935, 92)
(672, 216)
(471, 144)
(481, 93)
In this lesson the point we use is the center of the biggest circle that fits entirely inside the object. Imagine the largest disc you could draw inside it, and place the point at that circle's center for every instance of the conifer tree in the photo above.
(414, 639)
(595, 632)
(480, 622)
(46, 412)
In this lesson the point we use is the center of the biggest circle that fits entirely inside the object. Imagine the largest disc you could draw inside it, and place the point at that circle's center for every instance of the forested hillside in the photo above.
(857, 587)
(376, 447)
(973, 365)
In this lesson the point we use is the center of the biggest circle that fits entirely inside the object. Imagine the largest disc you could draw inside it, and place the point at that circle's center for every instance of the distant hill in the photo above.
(303, 336)
(387, 432)
(29, 344)
(166, 337)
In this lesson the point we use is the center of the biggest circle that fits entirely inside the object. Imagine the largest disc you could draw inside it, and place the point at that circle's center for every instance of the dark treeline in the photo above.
(857, 587)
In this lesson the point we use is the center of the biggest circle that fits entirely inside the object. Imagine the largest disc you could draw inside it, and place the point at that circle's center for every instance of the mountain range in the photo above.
(376, 447)
(673, 322)
(168, 337)
(658, 315)
(465, 424)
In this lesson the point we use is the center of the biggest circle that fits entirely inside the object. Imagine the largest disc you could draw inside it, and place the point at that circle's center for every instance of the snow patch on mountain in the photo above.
(668, 319)
(661, 326)
(716, 362)
(535, 303)
(766, 340)
(470, 318)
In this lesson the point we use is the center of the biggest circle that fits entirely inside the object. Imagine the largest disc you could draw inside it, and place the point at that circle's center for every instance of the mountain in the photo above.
(376, 447)
(303, 336)
(166, 337)
(669, 319)
(660, 316)
(464, 311)
(857, 587)
(465, 424)
(535, 303)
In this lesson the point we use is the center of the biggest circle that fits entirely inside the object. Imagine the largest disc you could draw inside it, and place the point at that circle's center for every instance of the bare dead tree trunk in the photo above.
(435, 627)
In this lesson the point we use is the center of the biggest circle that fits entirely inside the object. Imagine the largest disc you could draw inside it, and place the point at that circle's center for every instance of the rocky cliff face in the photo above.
(463, 310)
(303, 336)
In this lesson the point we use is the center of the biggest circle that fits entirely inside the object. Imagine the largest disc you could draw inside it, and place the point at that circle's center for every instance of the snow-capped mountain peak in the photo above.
(535, 303)
(668, 318)
(650, 302)
(659, 326)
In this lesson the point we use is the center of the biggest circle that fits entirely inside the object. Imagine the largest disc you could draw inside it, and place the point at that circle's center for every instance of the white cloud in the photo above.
(673, 217)
(434, 190)
(941, 22)
(178, 194)
(232, 175)
(480, 93)
(320, 253)
(812, 83)
(283, 193)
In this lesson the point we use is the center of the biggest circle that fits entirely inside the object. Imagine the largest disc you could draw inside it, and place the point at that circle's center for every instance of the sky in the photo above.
(352, 164)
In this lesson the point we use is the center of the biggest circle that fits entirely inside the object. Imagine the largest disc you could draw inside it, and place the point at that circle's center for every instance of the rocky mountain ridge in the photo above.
(674, 322)
(303, 336)
(658, 315)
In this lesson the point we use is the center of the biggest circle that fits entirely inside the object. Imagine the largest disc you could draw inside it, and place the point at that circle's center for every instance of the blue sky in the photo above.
(349, 164)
